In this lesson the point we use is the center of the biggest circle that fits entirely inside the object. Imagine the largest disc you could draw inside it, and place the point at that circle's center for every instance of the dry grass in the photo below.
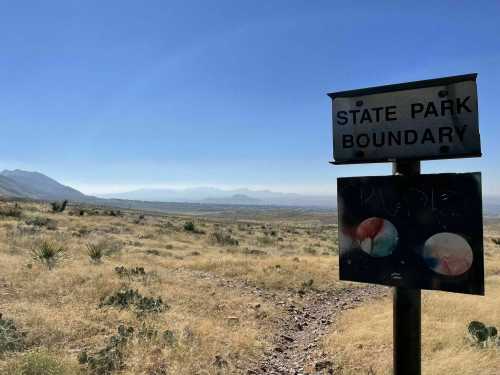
(361, 341)
(58, 308)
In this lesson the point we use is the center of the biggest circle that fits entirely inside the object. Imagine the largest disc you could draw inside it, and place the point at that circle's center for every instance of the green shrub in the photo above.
(481, 334)
(95, 251)
(189, 226)
(11, 340)
(40, 221)
(111, 358)
(59, 206)
(48, 253)
(223, 239)
(123, 271)
(108, 246)
(115, 213)
(129, 298)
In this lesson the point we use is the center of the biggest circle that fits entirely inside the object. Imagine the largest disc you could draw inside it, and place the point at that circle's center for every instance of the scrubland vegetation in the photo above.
(86, 290)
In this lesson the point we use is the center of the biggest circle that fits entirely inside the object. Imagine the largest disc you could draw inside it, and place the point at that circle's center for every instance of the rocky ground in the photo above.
(297, 343)
(309, 313)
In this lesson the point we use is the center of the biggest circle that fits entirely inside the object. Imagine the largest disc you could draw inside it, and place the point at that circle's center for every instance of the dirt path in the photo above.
(296, 346)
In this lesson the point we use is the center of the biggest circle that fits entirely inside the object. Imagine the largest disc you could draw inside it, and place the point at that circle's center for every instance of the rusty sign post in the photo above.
(408, 230)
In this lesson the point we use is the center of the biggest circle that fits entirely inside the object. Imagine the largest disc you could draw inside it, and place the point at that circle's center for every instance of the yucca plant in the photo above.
(95, 251)
(48, 253)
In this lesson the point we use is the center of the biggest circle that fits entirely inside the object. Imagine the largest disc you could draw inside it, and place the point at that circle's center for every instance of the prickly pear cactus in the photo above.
(481, 334)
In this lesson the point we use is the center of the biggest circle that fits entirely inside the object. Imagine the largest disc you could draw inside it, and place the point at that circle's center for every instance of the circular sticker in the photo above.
(377, 237)
(448, 254)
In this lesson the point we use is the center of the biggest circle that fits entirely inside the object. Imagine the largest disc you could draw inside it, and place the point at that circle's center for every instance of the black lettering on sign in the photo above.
(416, 108)
(390, 113)
(392, 138)
(365, 116)
(447, 105)
(411, 137)
(377, 111)
(445, 131)
(366, 140)
(381, 140)
(428, 136)
(354, 113)
(462, 105)
(347, 141)
(430, 110)
(342, 117)
(460, 132)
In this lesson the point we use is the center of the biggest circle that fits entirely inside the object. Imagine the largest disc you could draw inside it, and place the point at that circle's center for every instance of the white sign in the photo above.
(433, 119)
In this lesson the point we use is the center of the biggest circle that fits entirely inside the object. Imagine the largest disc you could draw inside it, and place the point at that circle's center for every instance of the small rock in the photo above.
(232, 319)
(323, 365)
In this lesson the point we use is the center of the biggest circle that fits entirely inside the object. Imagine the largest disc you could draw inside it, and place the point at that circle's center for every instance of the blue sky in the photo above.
(112, 95)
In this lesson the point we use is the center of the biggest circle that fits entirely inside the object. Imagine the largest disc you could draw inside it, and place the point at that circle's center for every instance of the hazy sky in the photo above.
(112, 95)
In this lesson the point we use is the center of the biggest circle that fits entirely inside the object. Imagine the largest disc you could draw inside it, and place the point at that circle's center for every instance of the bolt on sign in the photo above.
(418, 232)
(431, 119)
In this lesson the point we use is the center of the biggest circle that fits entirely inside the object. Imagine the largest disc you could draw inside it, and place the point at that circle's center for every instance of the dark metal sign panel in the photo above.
(432, 119)
(420, 232)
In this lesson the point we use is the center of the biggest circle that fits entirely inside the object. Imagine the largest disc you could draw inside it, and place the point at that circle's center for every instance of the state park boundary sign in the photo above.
(422, 120)
(411, 231)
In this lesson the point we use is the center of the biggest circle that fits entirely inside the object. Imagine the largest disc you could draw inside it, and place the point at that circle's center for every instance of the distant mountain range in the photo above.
(220, 196)
(35, 185)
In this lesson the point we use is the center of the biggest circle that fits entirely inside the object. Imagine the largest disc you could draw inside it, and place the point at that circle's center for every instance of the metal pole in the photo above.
(406, 308)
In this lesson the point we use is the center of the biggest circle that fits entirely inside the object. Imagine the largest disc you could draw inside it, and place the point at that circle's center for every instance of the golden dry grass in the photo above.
(58, 308)
(361, 340)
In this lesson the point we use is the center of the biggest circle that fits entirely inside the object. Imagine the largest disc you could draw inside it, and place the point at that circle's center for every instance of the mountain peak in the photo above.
(35, 185)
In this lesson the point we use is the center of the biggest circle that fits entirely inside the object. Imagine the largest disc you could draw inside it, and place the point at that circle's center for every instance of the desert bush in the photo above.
(109, 245)
(481, 334)
(254, 252)
(129, 298)
(11, 340)
(265, 241)
(10, 211)
(112, 357)
(310, 250)
(115, 213)
(40, 221)
(59, 206)
(136, 273)
(40, 363)
(189, 226)
(48, 253)
(123, 271)
(95, 251)
(496, 241)
(77, 212)
(223, 239)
